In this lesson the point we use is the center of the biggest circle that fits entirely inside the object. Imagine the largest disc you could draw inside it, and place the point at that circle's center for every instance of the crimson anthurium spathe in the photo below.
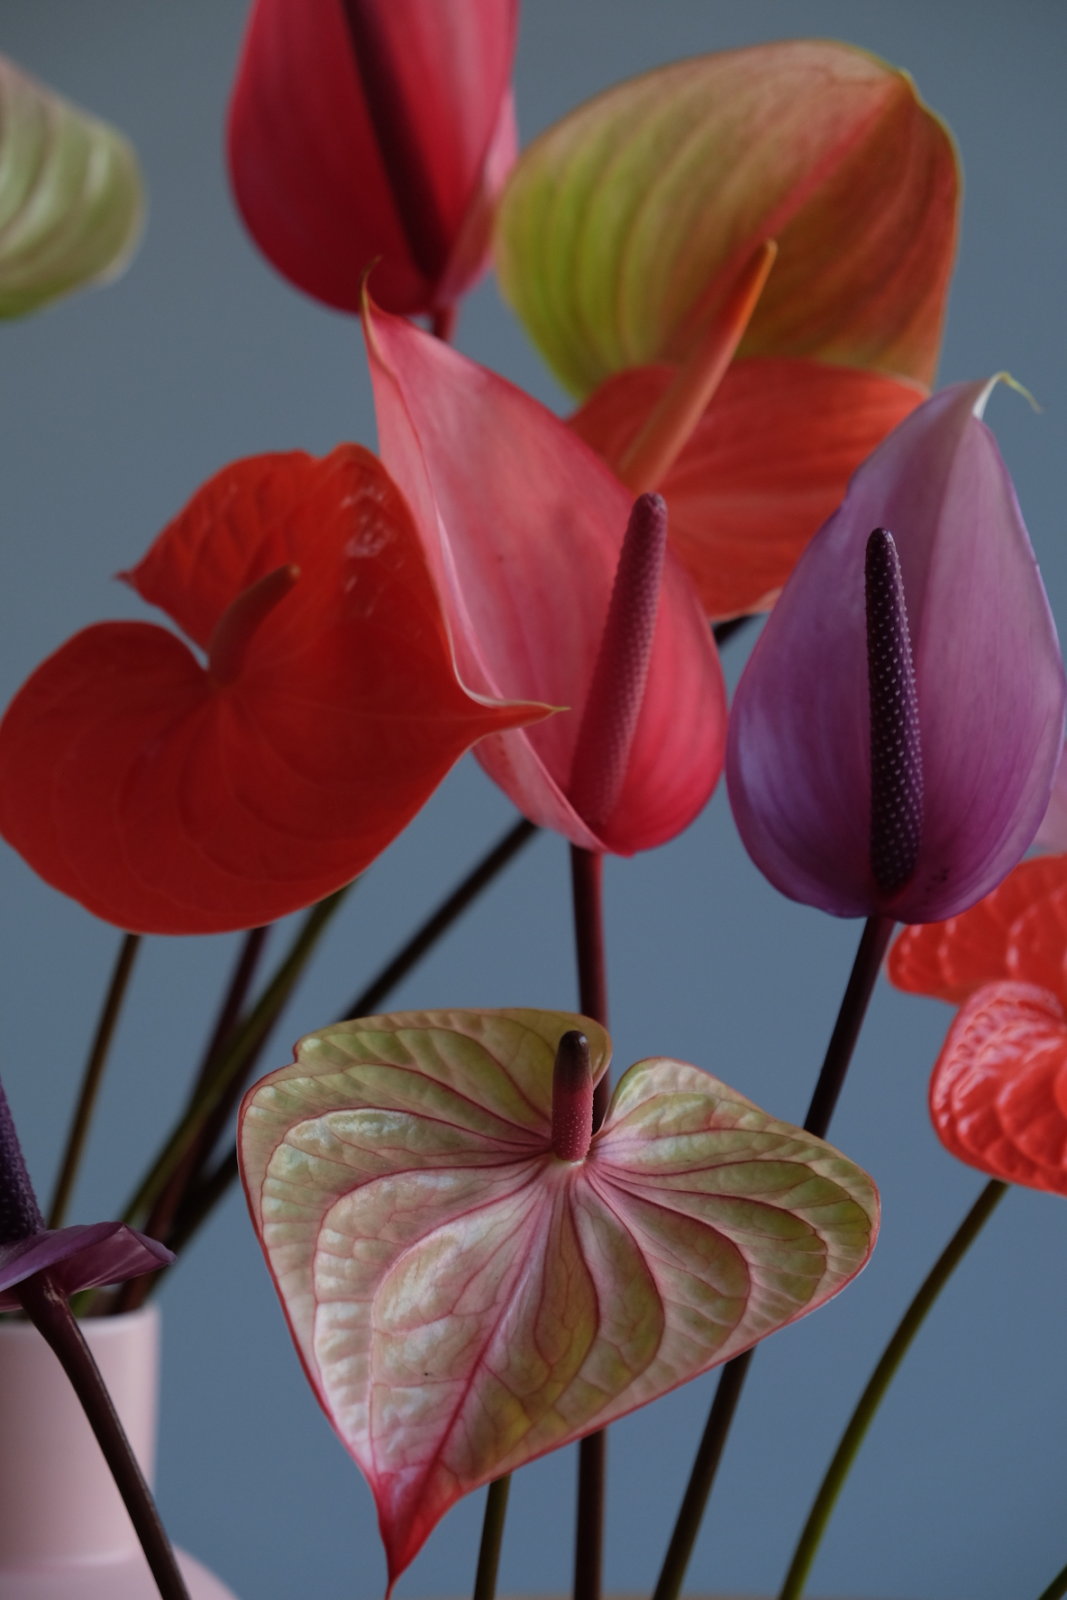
(365, 131)
(170, 794)
(524, 529)
(471, 1279)
(623, 233)
(986, 689)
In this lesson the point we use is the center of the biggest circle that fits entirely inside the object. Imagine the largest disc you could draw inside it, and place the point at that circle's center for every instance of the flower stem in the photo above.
(160, 1221)
(853, 1009)
(440, 920)
(874, 941)
(200, 1201)
(52, 1316)
(587, 873)
(496, 1506)
(878, 1383)
(233, 1064)
(91, 1079)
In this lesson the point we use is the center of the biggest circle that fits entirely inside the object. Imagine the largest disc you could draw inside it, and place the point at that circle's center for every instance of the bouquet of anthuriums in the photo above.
(485, 1246)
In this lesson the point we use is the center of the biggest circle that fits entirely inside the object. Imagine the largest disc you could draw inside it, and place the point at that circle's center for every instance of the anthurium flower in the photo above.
(84, 1257)
(1016, 933)
(472, 1277)
(626, 229)
(524, 530)
(173, 795)
(70, 196)
(374, 130)
(980, 677)
(998, 1095)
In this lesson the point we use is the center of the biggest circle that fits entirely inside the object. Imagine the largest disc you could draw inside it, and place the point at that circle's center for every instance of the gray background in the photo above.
(115, 406)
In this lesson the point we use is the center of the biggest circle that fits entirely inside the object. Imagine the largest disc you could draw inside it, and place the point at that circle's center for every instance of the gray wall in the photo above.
(115, 407)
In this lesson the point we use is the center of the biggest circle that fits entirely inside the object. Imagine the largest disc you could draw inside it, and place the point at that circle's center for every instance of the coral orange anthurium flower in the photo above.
(629, 241)
(524, 529)
(174, 794)
(998, 1095)
(374, 130)
(472, 1277)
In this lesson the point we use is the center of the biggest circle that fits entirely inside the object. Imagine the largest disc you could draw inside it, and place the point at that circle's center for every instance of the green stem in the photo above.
(233, 1062)
(496, 1506)
(202, 1198)
(91, 1079)
(879, 1382)
(186, 1176)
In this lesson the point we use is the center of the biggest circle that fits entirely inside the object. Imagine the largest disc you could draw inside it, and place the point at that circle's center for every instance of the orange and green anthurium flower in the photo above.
(776, 224)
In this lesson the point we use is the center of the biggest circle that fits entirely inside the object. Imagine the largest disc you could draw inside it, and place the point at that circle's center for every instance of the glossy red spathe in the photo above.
(170, 794)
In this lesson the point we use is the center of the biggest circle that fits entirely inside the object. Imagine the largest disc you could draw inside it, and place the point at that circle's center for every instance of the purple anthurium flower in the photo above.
(827, 807)
(73, 1258)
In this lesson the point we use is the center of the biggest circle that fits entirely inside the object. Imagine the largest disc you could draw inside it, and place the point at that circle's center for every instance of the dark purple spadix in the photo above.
(896, 751)
(20, 1215)
(618, 687)
(572, 1098)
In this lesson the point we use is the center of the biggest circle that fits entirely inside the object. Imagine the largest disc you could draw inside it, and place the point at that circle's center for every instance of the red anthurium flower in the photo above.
(524, 528)
(627, 239)
(934, 723)
(367, 129)
(1018, 932)
(174, 795)
(472, 1277)
(998, 1095)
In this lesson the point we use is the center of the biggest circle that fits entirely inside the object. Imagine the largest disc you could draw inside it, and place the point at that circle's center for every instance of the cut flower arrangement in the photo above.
(490, 1242)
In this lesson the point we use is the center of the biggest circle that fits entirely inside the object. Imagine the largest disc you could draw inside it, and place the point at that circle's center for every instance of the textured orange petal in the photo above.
(765, 466)
(998, 1095)
(1019, 931)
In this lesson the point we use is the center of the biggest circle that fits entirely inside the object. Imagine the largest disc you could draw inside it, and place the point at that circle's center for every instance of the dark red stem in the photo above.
(51, 1315)
(853, 1009)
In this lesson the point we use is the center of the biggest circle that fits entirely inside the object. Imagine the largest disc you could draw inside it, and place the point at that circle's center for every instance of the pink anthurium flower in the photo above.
(938, 723)
(367, 129)
(627, 228)
(170, 794)
(524, 530)
(472, 1277)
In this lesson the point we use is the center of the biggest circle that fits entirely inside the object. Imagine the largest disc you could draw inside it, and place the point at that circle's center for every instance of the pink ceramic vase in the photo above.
(64, 1532)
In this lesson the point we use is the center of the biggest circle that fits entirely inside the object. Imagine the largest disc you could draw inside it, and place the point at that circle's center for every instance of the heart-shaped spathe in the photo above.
(998, 1095)
(463, 1299)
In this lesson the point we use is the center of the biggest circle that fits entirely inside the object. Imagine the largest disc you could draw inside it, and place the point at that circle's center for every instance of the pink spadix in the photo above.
(896, 749)
(572, 1098)
(606, 737)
